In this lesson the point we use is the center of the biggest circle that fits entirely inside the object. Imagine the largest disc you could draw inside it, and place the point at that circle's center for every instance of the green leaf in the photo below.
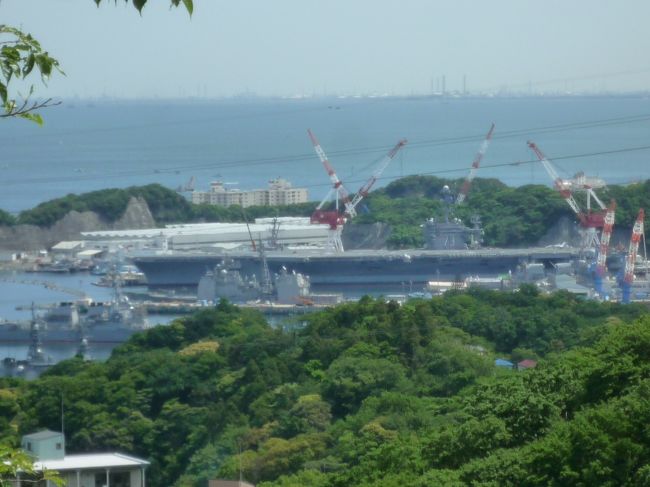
(138, 4)
(189, 5)
(34, 117)
(29, 64)
(3, 93)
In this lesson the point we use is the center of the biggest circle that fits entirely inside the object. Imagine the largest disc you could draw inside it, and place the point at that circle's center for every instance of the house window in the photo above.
(59, 446)
(118, 479)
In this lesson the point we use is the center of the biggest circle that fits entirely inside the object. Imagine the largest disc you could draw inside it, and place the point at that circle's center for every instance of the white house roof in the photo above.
(89, 253)
(42, 435)
(68, 245)
(91, 461)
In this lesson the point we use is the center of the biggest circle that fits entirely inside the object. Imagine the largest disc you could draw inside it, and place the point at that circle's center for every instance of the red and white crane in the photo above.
(464, 190)
(337, 185)
(581, 182)
(606, 235)
(630, 259)
(334, 218)
(590, 221)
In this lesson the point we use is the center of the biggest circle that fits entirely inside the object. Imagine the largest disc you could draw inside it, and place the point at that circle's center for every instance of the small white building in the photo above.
(67, 249)
(83, 470)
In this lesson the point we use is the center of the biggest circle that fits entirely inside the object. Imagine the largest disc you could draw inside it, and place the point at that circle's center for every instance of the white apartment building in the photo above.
(279, 193)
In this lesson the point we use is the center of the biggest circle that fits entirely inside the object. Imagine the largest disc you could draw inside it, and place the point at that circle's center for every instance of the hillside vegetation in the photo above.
(166, 205)
(6, 218)
(368, 393)
(511, 216)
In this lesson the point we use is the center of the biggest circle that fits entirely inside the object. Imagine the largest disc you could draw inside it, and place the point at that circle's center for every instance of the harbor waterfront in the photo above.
(19, 291)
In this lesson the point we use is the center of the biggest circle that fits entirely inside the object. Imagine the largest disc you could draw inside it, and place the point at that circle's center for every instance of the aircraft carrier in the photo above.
(362, 269)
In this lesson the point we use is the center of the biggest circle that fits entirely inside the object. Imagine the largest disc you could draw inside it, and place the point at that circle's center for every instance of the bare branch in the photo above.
(24, 108)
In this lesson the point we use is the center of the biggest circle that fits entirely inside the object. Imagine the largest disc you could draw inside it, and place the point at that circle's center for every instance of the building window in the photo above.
(59, 446)
(29, 446)
(117, 479)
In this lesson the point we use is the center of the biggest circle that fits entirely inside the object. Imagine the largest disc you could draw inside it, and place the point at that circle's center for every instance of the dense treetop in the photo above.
(368, 393)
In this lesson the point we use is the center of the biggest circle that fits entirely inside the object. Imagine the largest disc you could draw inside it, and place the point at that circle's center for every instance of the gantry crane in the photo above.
(630, 259)
(464, 190)
(590, 221)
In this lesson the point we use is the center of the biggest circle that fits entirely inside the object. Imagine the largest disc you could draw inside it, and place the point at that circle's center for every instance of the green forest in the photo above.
(368, 393)
(511, 216)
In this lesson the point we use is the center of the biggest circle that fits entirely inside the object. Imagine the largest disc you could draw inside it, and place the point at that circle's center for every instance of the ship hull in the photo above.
(359, 269)
(104, 333)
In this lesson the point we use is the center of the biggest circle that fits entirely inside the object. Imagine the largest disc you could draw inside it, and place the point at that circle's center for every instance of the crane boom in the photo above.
(563, 188)
(351, 207)
(337, 184)
(475, 165)
(593, 195)
(601, 260)
(630, 261)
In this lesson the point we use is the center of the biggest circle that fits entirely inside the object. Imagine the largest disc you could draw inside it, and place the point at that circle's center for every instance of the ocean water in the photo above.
(85, 146)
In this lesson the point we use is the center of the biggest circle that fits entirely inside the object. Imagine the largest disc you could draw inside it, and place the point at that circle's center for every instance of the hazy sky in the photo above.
(291, 47)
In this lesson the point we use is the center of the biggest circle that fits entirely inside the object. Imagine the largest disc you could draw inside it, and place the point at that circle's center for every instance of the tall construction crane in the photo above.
(464, 190)
(337, 185)
(590, 221)
(335, 219)
(630, 259)
(351, 207)
(606, 235)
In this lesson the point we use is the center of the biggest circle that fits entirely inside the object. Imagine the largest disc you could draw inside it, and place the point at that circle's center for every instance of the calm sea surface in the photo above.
(86, 146)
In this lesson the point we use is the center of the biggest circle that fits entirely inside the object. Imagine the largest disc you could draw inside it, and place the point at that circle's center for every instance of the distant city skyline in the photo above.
(297, 48)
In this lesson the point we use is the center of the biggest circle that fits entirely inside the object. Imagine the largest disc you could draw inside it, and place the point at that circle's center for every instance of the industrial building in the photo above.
(281, 232)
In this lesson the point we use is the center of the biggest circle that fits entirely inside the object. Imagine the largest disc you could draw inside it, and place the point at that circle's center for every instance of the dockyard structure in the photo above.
(88, 470)
(282, 231)
(279, 193)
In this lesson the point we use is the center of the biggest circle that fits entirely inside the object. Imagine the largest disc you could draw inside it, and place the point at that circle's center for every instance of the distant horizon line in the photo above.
(451, 95)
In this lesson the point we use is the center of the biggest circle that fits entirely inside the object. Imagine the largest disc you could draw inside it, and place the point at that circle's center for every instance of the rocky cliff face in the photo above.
(31, 237)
